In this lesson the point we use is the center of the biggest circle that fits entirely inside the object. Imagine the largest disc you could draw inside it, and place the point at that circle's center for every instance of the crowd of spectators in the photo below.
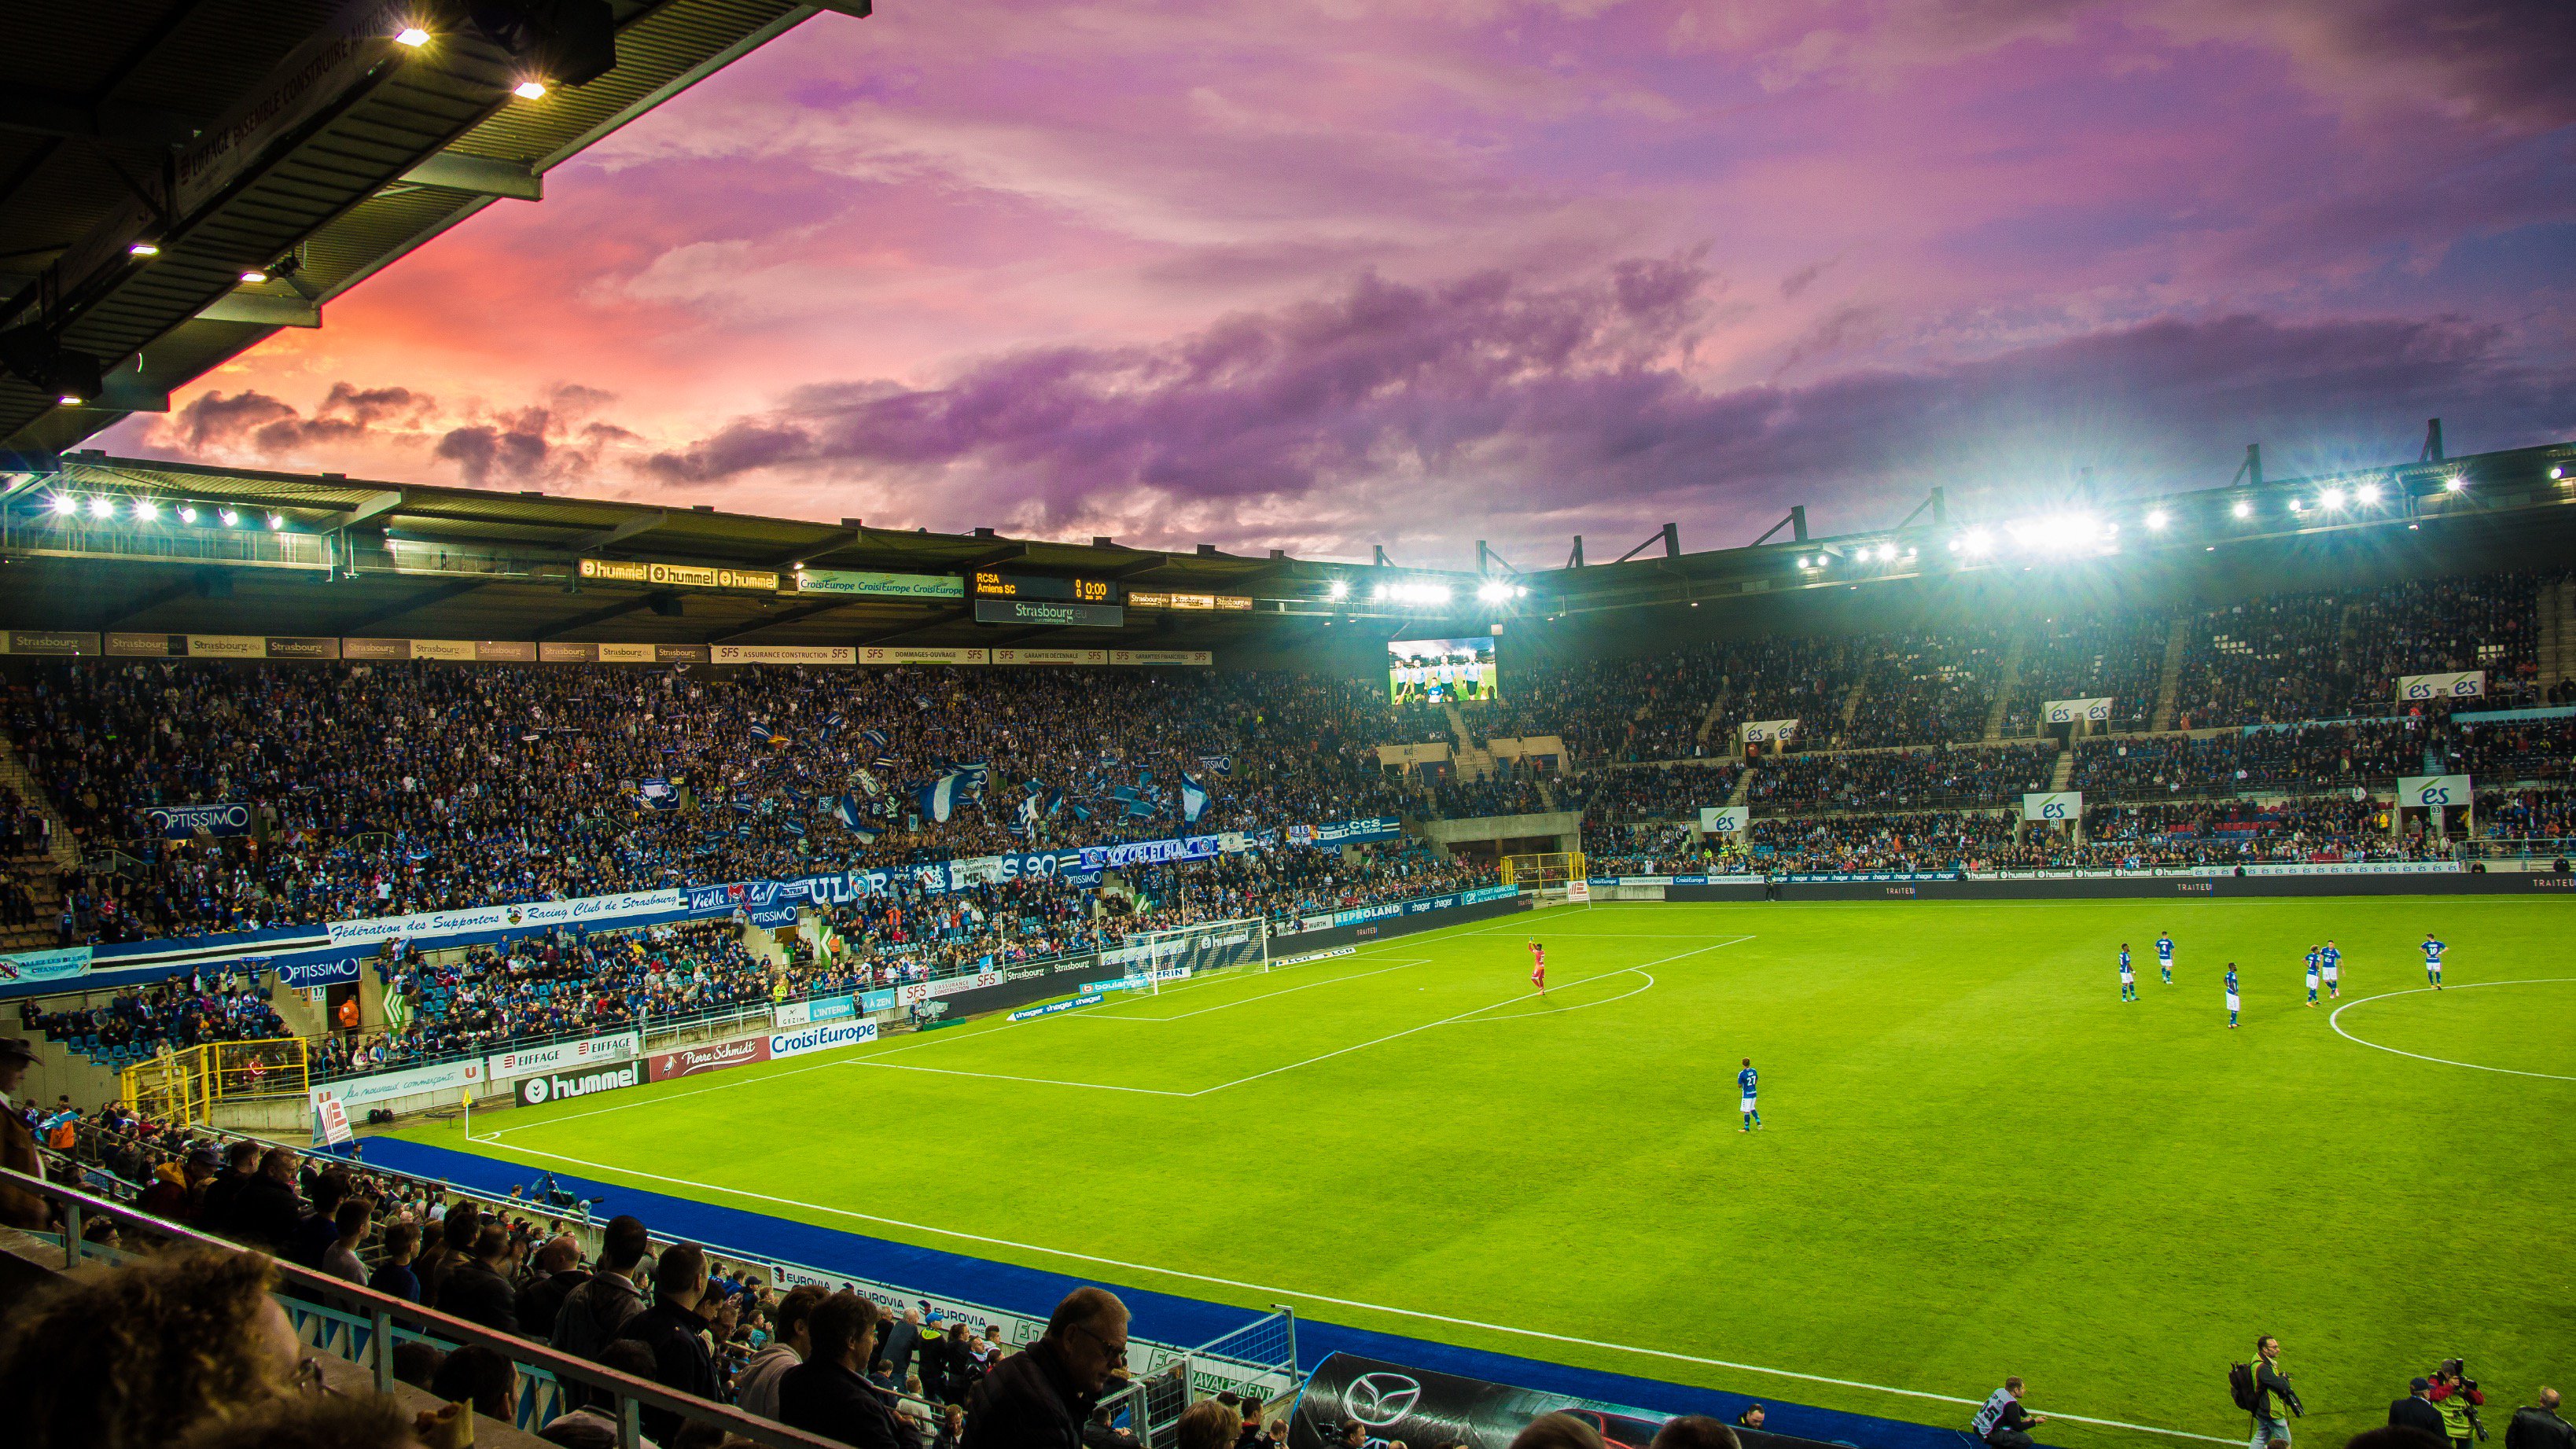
(1513, 789)
(2114, 655)
(1901, 779)
(2209, 833)
(2302, 759)
(388, 789)
(1927, 688)
(2527, 815)
(2339, 654)
(1922, 841)
(166, 1016)
(1650, 792)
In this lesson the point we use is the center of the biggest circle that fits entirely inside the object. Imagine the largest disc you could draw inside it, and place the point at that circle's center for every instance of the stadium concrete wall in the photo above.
(2162, 888)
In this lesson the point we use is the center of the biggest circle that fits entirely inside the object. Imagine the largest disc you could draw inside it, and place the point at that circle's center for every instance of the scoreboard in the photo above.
(991, 584)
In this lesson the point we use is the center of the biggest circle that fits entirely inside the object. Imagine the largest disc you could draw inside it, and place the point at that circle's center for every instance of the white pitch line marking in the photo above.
(1415, 1313)
(1461, 1016)
(2336, 1021)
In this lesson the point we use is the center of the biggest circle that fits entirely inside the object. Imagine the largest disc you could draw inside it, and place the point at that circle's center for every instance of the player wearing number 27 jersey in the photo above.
(1744, 1081)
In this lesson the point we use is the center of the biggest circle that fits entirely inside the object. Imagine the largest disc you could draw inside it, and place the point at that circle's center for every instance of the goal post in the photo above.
(1151, 958)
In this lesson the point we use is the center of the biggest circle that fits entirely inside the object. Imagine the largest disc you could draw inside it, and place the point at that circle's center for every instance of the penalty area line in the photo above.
(1414, 1313)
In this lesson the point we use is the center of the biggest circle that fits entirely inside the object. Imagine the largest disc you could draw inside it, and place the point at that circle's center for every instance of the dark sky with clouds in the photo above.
(1316, 277)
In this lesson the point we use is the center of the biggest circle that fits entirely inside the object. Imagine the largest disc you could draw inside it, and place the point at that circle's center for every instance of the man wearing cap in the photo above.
(2416, 1411)
(19, 1208)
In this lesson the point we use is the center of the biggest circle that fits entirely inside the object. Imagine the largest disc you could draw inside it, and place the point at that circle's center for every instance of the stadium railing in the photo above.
(1260, 1355)
(363, 1326)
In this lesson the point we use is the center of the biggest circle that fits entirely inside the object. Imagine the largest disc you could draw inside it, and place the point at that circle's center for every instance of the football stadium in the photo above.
(585, 966)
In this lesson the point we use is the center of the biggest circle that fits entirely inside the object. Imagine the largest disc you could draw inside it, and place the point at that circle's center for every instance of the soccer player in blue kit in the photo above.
(2333, 962)
(2164, 955)
(2316, 960)
(1744, 1080)
(2433, 959)
(2128, 978)
(2231, 996)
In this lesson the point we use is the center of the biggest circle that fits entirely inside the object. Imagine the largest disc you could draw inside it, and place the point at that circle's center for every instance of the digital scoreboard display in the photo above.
(990, 584)
(1442, 671)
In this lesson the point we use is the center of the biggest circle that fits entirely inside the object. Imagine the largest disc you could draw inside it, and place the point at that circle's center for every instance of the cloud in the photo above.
(254, 423)
(1497, 407)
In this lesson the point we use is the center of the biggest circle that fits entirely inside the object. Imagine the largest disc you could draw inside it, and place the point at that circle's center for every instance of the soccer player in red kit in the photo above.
(1538, 967)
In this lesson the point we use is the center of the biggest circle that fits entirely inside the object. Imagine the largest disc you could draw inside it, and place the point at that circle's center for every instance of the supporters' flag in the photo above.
(868, 783)
(1140, 810)
(1028, 811)
(1054, 802)
(939, 797)
(1081, 813)
(742, 804)
(867, 834)
(922, 699)
(1220, 764)
(832, 722)
(873, 738)
(1144, 780)
(794, 826)
(760, 733)
(1194, 797)
(1033, 786)
(743, 830)
(844, 810)
(1125, 794)
(886, 762)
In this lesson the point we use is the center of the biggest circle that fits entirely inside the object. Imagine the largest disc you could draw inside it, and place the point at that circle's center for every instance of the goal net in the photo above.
(1153, 958)
(1550, 879)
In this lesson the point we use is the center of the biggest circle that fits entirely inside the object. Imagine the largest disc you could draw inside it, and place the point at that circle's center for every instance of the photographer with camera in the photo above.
(2457, 1396)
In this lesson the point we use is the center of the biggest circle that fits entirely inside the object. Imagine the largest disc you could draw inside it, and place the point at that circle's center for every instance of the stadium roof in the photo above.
(100, 544)
(157, 155)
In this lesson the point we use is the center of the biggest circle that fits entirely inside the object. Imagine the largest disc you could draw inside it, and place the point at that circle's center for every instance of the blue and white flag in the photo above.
(873, 738)
(1221, 764)
(742, 804)
(1054, 802)
(939, 797)
(759, 733)
(1194, 797)
(831, 722)
(794, 826)
(844, 810)
(867, 834)
(1081, 813)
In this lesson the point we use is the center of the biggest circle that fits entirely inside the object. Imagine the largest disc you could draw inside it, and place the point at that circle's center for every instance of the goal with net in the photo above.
(1152, 959)
(1553, 878)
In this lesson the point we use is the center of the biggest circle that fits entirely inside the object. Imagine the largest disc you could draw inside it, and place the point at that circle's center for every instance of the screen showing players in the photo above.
(1441, 671)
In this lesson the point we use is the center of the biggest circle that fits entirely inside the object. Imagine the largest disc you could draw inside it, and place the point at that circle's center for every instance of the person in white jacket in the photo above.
(756, 1387)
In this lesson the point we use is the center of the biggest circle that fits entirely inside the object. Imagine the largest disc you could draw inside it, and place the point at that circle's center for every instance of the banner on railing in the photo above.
(1155, 852)
(556, 1086)
(1764, 731)
(2419, 688)
(305, 975)
(553, 1056)
(405, 1082)
(913, 993)
(719, 1056)
(588, 911)
(183, 822)
(2426, 792)
(2077, 711)
(58, 965)
(1348, 832)
(805, 1039)
(2053, 805)
(1356, 915)
(1725, 819)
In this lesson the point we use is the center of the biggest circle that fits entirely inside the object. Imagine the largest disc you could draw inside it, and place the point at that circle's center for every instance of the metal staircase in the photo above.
(2169, 686)
(2005, 683)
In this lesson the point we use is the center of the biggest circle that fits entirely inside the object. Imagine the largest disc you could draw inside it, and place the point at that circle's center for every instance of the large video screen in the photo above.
(1441, 671)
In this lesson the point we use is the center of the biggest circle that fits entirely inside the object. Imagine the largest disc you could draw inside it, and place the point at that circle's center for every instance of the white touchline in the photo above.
(2336, 1021)
(1662, 1353)
(1007, 1077)
(1461, 1016)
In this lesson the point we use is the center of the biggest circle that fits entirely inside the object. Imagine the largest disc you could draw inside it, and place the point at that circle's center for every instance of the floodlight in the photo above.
(276, 521)
(529, 90)
(187, 513)
(1802, 560)
(1493, 593)
(411, 35)
(102, 507)
(2332, 498)
(254, 278)
(2557, 473)
(1977, 540)
(71, 399)
(2243, 509)
(1520, 591)
(1378, 594)
(2454, 484)
(1338, 589)
(144, 249)
(145, 510)
(229, 517)
(2297, 507)
(2157, 519)
(65, 505)
(2366, 493)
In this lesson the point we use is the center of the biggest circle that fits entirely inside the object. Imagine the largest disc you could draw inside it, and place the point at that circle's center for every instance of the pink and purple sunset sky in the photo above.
(1320, 275)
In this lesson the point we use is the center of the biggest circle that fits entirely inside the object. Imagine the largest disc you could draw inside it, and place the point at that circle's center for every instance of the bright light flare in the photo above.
(2332, 498)
(411, 35)
(1338, 589)
(145, 510)
(529, 90)
(102, 508)
(1494, 593)
(2157, 519)
(2367, 493)
(2243, 509)
(65, 505)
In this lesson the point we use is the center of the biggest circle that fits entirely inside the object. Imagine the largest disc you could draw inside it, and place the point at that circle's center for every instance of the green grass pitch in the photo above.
(1979, 1161)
